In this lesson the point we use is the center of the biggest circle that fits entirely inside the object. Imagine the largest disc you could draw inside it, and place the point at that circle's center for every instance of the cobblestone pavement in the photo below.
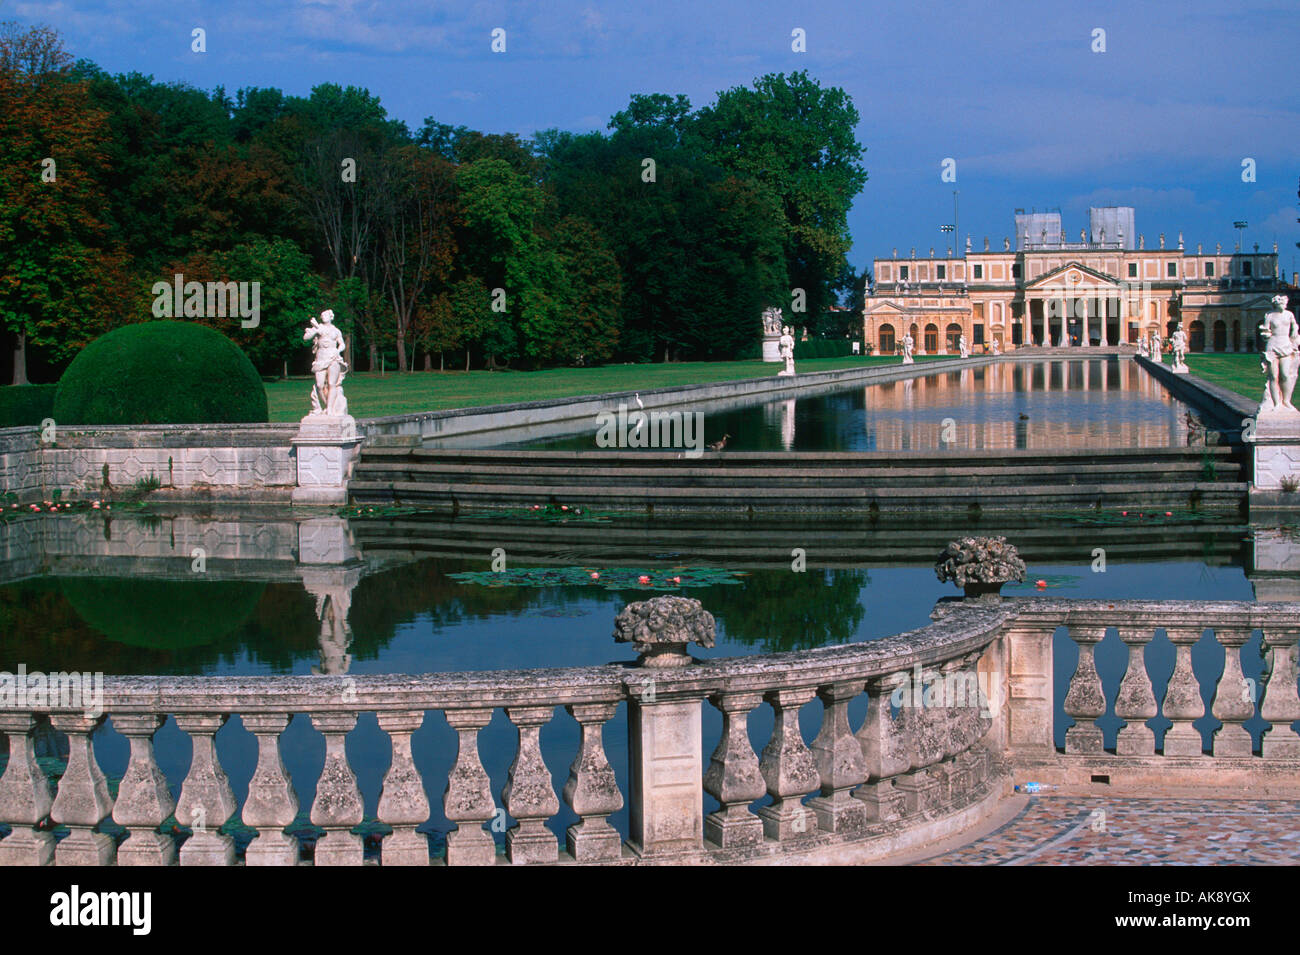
(1066, 830)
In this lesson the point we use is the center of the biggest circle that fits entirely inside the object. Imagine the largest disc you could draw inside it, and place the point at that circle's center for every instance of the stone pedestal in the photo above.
(324, 448)
(667, 806)
(771, 347)
(1277, 449)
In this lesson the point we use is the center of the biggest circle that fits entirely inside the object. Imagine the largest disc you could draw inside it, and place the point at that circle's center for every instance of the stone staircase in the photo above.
(1196, 478)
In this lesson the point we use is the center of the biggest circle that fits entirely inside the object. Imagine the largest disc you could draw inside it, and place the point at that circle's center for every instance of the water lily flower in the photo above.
(1040, 584)
(643, 579)
(595, 576)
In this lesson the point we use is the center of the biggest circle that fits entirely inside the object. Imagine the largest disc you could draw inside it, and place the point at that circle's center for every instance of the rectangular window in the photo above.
(979, 334)
(1015, 270)
(1209, 270)
(940, 272)
(979, 271)
(1172, 270)
(1132, 270)
(902, 273)
(1245, 267)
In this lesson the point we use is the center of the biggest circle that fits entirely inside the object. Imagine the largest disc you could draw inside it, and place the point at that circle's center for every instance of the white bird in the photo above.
(640, 421)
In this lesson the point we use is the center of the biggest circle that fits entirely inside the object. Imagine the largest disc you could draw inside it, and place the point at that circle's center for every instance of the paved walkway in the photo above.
(1067, 830)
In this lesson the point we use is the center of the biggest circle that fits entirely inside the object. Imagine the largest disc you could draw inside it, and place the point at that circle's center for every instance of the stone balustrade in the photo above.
(1191, 751)
(953, 710)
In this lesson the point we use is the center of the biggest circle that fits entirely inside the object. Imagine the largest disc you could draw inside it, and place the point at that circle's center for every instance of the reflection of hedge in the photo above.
(160, 373)
(26, 404)
(822, 348)
(162, 614)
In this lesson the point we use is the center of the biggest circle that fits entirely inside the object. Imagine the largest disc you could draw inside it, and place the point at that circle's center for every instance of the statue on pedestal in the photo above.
(328, 365)
(1157, 347)
(908, 345)
(997, 346)
(1179, 341)
(963, 346)
(1281, 359)
(1144, 347)
(771, 334)
(787, 352)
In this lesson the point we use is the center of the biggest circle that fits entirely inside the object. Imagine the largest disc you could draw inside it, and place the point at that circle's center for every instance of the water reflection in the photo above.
(1043, 405)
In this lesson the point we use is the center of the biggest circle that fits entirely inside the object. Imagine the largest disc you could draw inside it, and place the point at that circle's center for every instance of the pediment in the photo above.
(1074, 276)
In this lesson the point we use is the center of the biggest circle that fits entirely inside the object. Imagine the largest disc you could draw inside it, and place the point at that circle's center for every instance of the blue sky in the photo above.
(1161, 120)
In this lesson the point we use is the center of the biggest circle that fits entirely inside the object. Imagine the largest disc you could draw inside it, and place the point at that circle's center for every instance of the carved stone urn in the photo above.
(980, 566)
(661, 629)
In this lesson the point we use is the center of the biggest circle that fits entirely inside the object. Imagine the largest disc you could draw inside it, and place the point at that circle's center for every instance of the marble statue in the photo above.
(1006, 244)
(997, 346)
(908, 345)
(1157, 347)
(328, 365)
(771, 334)
(963, 346)
(1281, 359)
(1179, 342)
(787, 352)
(1144, 347)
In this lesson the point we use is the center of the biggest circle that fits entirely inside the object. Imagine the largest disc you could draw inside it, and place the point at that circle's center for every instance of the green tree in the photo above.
(797, 139)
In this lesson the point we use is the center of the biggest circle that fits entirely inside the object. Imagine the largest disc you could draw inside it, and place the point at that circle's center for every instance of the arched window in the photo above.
(1196, 337)
(887, 343)
(931, 338)
(1220, 335)
(953, 334)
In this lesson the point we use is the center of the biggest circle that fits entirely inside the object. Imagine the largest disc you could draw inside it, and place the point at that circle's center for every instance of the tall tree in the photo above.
(798, 140)
(64, 278)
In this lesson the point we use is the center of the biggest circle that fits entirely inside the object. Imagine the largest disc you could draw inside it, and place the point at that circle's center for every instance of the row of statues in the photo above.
(963, 347)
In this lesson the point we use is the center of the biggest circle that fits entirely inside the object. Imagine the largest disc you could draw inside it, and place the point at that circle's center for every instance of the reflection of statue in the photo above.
(908, 345)
(1179, 342)
(963, 346)
(787, 352)
(1281, 357)
(328, 365)
(335, 634)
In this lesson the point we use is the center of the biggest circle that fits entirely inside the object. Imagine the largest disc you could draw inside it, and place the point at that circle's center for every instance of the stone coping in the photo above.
(1228, 406)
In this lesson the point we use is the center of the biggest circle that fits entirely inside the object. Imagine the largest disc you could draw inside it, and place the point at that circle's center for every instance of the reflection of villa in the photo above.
(903, 415)
(1105, 289)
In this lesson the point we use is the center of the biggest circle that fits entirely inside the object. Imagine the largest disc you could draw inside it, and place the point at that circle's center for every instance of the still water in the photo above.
(1105, 402)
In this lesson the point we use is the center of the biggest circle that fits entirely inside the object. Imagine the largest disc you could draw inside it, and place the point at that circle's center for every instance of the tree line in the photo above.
(659, 239)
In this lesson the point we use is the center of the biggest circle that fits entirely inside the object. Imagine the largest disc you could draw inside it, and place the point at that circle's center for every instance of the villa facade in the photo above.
(1100, 290)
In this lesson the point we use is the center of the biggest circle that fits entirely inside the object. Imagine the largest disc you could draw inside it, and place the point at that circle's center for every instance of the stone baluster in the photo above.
(1085, 701)
(83, 801)
(1136, 702)
(1281, 705)
(788, 768)
(733, 777)
(1030, 692)
(1183, 705)
(883, 751)
(337, 807)
(1234, 702)
(591, 789)
(402, 801)
(207, 801)
(840, 763)
(921, 729)
(143, 798)
(25, 796)
(272, 803)
(529, 793)
(467, 800)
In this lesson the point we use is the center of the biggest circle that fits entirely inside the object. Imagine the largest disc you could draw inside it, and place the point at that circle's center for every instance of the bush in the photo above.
(822, 348)
(160, 373)
(22, 405)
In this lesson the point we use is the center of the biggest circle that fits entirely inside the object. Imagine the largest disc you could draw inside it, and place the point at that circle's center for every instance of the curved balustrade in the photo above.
(952, 710)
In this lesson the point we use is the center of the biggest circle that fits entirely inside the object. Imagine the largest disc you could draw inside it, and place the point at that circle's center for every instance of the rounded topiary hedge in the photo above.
(160, 373)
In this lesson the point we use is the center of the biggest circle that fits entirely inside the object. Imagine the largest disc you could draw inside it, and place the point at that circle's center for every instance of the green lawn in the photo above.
(1238, 372)
(372, 396)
